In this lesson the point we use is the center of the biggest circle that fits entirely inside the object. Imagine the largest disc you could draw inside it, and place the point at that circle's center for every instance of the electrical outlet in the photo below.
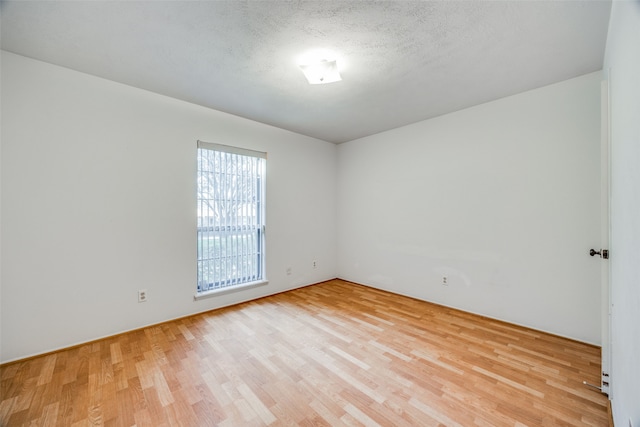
(288, 271)
(315, 264)
(142, 295)
(444, 281)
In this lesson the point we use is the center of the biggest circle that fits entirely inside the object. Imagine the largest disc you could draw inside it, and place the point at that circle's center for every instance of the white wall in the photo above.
(502, 198)
(98, 201)
(623, 59)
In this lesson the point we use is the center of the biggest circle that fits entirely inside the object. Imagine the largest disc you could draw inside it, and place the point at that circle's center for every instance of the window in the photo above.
(230, 200)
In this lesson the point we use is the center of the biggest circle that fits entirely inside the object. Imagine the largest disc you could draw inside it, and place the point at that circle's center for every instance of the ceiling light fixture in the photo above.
(321, 72)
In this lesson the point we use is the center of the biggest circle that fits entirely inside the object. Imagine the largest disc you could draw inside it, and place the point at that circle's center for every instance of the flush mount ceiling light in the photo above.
(322, 71)
(321, 65)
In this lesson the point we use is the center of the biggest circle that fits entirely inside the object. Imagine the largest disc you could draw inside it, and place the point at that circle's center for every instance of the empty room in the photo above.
(320, 213)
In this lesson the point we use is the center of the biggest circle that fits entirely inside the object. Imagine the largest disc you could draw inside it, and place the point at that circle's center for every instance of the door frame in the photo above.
(605, 232)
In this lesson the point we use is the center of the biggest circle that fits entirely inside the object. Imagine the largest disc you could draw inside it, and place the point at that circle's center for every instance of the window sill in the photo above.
(228, 290)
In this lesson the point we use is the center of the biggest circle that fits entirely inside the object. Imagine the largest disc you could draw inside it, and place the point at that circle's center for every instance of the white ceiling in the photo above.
(403, 61)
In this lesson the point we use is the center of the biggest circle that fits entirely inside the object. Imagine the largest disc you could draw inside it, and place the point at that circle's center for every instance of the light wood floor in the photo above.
(331, 354)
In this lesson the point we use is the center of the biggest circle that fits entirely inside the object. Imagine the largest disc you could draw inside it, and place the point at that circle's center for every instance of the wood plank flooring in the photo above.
(331, 354)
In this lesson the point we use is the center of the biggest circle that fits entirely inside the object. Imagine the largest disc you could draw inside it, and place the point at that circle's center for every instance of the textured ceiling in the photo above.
(402, 61)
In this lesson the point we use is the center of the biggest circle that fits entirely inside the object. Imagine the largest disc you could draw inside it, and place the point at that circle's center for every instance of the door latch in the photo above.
(604, 253)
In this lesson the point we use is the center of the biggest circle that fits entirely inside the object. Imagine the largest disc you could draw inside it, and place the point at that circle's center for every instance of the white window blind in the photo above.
(230, 200)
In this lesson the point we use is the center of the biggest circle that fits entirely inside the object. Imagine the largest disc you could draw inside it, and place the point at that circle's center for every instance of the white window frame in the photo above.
(244, 262)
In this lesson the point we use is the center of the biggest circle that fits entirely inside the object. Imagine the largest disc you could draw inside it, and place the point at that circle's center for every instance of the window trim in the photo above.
(231, 149)
(217, 292)
(263, 280)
